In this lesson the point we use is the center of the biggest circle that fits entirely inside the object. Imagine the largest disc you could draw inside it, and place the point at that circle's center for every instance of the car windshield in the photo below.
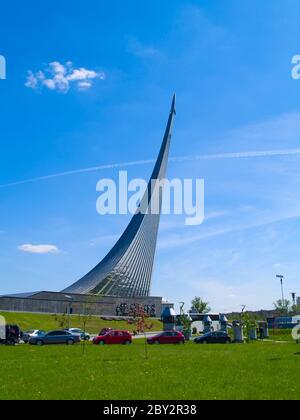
(29, 332)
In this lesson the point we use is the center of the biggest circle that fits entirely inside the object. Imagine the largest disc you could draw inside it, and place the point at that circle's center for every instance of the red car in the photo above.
(114, 337)
(105, 331)
(167, 337)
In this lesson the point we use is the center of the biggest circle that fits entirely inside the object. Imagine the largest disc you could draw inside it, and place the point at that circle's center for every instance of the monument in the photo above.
(123, 278)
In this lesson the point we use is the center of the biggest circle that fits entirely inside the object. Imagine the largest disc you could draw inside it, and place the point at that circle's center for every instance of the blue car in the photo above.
(54, 337)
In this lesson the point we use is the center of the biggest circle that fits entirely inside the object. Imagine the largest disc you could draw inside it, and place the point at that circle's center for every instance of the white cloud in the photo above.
(82, 74)
(56, 67)
(62, 77)
(39, 249)
(84, 85)
(31, 81)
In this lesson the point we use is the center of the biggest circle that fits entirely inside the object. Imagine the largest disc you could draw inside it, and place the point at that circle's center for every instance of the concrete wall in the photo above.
(50, 302)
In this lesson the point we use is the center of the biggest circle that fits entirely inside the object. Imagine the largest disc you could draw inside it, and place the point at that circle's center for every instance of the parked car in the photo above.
(80, 333)
(167, 337)
(105, 331)
(114, 337)
(54, 337)
(31, 333)
(216, 337)
(13, 335)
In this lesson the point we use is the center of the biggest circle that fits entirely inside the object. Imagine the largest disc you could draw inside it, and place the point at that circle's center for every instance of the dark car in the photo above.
(13, 334)
(167, 337)
(54, 337)
(114, 337)
(216, 337)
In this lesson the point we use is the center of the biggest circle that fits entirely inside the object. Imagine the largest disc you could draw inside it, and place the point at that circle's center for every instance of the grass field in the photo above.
(262, 370)
(47, 322)
(281, 335)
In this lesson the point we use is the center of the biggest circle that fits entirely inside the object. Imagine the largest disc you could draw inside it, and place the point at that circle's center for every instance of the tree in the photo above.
(185, 321)
(249, 321)
(88, 309)
(140, 319)
(283, 307)
(295, 310)
(62, 320)
(200, 306)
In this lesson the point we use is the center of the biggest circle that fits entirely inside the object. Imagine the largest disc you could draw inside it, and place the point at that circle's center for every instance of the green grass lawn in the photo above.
(262, 370)
(281, 335)
(47, 322)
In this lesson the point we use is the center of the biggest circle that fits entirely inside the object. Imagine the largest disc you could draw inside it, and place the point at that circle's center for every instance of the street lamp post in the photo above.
(69, 309)
(281, 277)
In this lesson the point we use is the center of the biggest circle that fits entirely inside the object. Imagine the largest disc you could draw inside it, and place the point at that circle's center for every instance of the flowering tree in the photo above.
(140, 318)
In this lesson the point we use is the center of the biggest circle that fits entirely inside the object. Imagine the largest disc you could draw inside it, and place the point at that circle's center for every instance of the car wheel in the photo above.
(70, 342)
(101, 343)
(204, 342)
(180, 342)
(87, 338)
(127, 342)
(39, 343)
(156, 342)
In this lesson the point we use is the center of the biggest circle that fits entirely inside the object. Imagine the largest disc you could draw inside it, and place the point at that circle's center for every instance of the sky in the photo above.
(91, 86)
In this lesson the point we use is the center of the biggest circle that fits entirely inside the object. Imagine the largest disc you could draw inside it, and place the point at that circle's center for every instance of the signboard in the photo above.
(124, 309)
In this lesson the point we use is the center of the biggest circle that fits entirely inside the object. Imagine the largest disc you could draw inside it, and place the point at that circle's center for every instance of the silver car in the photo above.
(80, 333)
(31, 333)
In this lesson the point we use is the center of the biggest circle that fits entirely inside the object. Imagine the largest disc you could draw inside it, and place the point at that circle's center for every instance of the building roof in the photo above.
(21, 295)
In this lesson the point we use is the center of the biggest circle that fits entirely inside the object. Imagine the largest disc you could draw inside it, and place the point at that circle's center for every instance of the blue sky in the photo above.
(230, 65)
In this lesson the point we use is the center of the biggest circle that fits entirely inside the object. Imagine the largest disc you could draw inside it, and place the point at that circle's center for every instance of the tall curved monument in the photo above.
(126, 270)
(121, 281)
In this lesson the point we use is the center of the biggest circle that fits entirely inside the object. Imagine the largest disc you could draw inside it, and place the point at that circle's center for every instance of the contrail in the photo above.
(239, 155)
(234, 155)
(78, 171)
